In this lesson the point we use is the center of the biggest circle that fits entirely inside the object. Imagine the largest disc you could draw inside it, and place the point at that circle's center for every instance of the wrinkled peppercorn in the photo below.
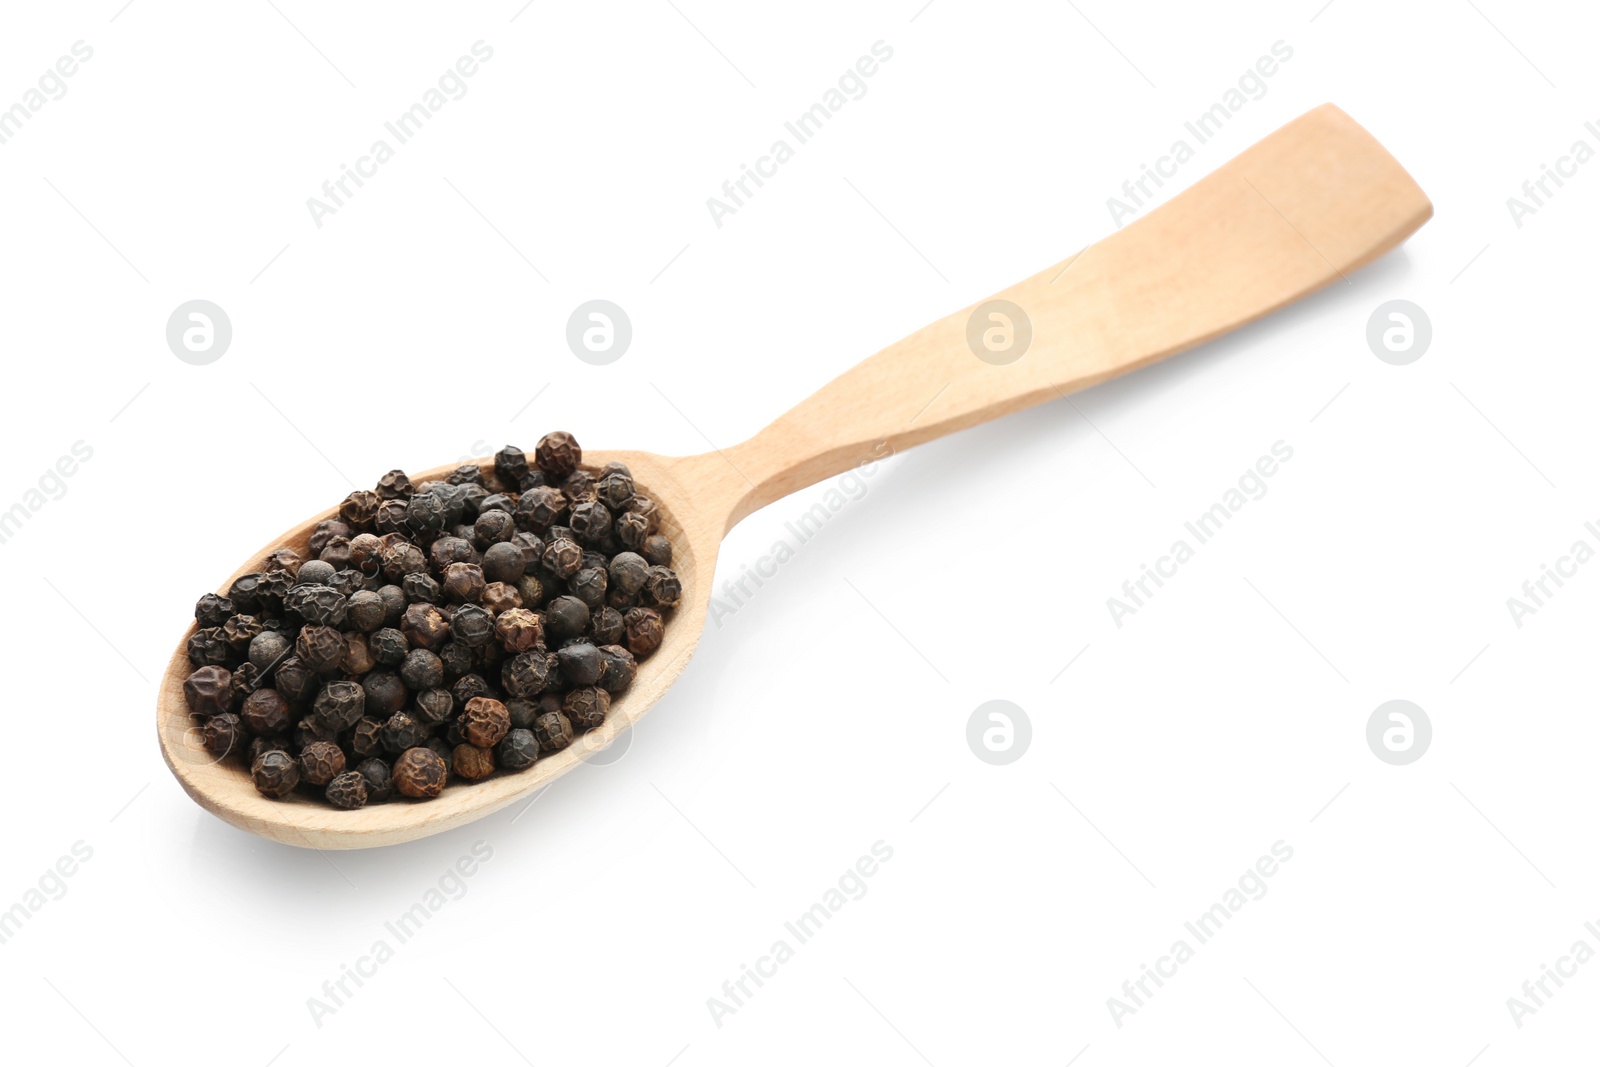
(420, 773)
(472, 762)
(644, 631)
(586, 708)
(402, 732)
(553, 731)
(380, 784)
(348, 791)
(485, 721)
(518, 751)
(209, 690)
(321, 762)
(275, 773)
(266, 712)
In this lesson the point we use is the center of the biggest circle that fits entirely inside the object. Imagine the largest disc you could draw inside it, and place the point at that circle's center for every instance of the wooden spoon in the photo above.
(1302, 208)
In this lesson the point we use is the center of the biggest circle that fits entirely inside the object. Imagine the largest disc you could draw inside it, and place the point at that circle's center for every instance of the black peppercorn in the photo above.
(319, 605)
(321, 762)
(605, 627)
(367, 738)
(589, 586)
(466, 474)
(240, 630)
(420, 773)
(210, 648)
(266, 712)
(468, 686)
(243, 592)
(324, 532)
(586, 708)
(562, 557)
(384, 691)
(492, 527)
(320, 648)
(632, 529)
(297, 682)
(348, 791)
(339, 706)
(471, 625)
(628, 572)
(246, 680)
(388, 646)
(401, 558)
(511, 464)
(663, 587)
(504, 561)
(267, 648)
(558, 454)
(262, 745)
(615, 489)
(581, 663)
(209, 691)
(566, 616)
(223, 735)
(275, 773)
(525, 674)
(402, 732)
(421, 589)
(552, 731)
(518, 751)
(591, 521)
(366, 611)
(336, 553)
(434, 705)
(395, 486)
(359, 507)
(619, 668)
(314, 572)
(539, 508)
(380, 784)
(422, 669)
(212, 610)
(458, 657)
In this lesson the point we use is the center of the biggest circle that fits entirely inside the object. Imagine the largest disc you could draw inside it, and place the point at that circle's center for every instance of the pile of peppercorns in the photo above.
(455, 627)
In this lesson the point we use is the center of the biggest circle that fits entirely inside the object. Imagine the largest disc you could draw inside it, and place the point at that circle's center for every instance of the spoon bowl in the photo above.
(1304, 207)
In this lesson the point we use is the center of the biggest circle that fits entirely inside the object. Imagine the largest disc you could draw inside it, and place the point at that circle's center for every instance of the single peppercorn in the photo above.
(383, 694)
(485, 721)
(209, 691)
(402, 732)
(321, 762)
(420, 773)
(566, 616)
(628, 572)
(468, 686)
(562, 557)
(581, 663)
(499, 597)
(463, 583)
(539, 508)
(324, 532)
(605, 627)
(619, 668)
(339, 706)
(297, 682)
(266, 712)
(657, 550)
(422, 669)
(472, 762)
(317, 605)
(524, 675)
(367, 738)
(223, 735)
(552, 731)
(320, 648)
(615, 489)
(209, 648)
(380, 783)
(267, 648)
(458, 657)
(591, 521)
(347, 791)
(644, 631)
(471, 625)
(504, 561)
(558, 454)
(388, 646)
(366, 611)
(400, 558)
(395, 485)
(586, 707)
(434, 705)
(632, 529)
(663, 588)
(357, 655)
(212, 610)
(275, 773)
(519, 630)
(518, 751)
(492, 528)
(425, 626)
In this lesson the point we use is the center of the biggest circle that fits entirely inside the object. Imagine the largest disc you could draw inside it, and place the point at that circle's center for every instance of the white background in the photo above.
(414, 327)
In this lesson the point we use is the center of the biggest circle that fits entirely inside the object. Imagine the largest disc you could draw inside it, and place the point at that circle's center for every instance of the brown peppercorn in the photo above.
(558, 454)
(485, 721)
(401, 558)
(240, 630)
(266, 712)
(348, 791)
(472, 762)
(213, 610)
(519, 630)
(615, 488)
(209, 647)
(425, 626)
(553, 731)
(586, 708)
(223, 735)
(359, 507)
(321, 648)
(531, 589)
(492, 527)
(605, 627)
(499, 597)
(632, 529)
(321, 762)
(420, 773)
(297, 682)
(209, 691)
(591, 521)
(644, 631)
(579, 487)
(562, 557)
(275, 773)
(463, 583)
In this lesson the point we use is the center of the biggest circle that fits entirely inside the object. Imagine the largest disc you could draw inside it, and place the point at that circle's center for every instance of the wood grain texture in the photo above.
(1308, 205)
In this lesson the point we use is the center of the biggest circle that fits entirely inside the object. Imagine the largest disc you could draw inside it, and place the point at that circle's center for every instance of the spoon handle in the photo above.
(1302, 208)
